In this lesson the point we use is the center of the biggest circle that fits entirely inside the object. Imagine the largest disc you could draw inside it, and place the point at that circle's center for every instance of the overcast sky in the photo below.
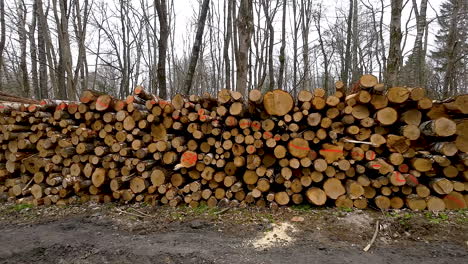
(185, 10)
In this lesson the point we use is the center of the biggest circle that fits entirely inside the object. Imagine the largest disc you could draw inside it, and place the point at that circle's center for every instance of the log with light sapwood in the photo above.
(441, 127)
(278, 102)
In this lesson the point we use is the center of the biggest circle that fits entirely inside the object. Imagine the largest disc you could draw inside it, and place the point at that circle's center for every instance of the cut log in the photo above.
(316, 196)
(278, 102)
(442, 127)
(368, 81)
(333, 188)
(387, 116)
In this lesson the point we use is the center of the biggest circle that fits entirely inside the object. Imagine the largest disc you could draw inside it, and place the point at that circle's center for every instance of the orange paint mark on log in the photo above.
(43, 102)
(267, 135)
(138, 90)
(250, 149)
(376, 166)
(189, 157)
(456, 200)
(298, 147)
(130, 99)
(256, 125)
(61, 106)
(152, 102)
(200, 112)
(104, 105)
(413, 179)
(277, 138)
(357, 154)
(397, 177)
(403, 168)
(31, 108)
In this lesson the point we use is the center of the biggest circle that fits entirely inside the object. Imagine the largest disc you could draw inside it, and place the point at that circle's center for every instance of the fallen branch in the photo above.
(373, 237)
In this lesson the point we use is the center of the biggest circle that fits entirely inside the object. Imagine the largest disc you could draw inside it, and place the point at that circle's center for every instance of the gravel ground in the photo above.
(113, 233)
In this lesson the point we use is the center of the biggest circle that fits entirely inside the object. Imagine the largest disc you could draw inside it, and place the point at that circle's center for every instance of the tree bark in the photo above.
(227, 40)
(394, 56)
(355, 65)
(245, 29)
(21, 27)
(196, 47)
(345, 71)
(161, 8)
(2, 38)
(418, 51)
(41, 46)
(33, 53)
(282, 56)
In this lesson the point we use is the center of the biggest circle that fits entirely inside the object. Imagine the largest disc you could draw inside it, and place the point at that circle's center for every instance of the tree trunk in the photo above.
(161, 7)
(41, 46)
(394, 56)
(2, 38)
(355, 69)
(282, 55)
(33, 53)
(418, 51)
(227, 40)
(345, 71)
(245, 29)
(196, 47)
(306, 14)
(449, 84)
(21, 26)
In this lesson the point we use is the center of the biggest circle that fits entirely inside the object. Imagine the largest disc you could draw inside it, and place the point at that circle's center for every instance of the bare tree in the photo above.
(306, 17)
(394, 59)
(296, 25)
(42, 50)
(347, 60)
(418, 55)
(317, 16)
(282, 55)
(80, 24)
(66, 88)
(196, 47)
(227, 40)
(161, 8)
(245, 28)
(2, 37)
(269, 17)
(355, 66)
(22, 38)
(33, 53)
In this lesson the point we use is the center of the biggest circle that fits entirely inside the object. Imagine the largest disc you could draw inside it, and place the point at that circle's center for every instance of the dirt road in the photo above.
(109, 234)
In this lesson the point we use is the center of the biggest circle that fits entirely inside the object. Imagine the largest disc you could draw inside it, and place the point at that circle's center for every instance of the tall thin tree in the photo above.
(161, 8)
(394, 55)
(196, 47)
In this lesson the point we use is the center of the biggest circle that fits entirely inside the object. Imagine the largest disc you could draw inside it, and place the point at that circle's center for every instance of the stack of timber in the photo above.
(378, 148)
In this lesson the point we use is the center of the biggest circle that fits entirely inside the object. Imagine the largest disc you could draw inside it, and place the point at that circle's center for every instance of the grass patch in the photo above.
(20, 207)
(203, 209)
(436, 218)
(345, 209)
(302, 207)
(404, 219)
(267, 216)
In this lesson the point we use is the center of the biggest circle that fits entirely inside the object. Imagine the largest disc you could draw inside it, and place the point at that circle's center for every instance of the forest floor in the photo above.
(113, 233)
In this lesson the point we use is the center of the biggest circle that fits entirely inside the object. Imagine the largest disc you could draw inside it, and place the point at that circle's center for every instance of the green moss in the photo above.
(20, 207)
(302, 207)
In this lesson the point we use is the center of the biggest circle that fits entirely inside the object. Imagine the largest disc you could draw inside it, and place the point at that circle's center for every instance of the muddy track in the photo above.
(103, 236)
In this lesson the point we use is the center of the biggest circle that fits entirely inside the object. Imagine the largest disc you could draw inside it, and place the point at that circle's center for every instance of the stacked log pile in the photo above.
(375, 148)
